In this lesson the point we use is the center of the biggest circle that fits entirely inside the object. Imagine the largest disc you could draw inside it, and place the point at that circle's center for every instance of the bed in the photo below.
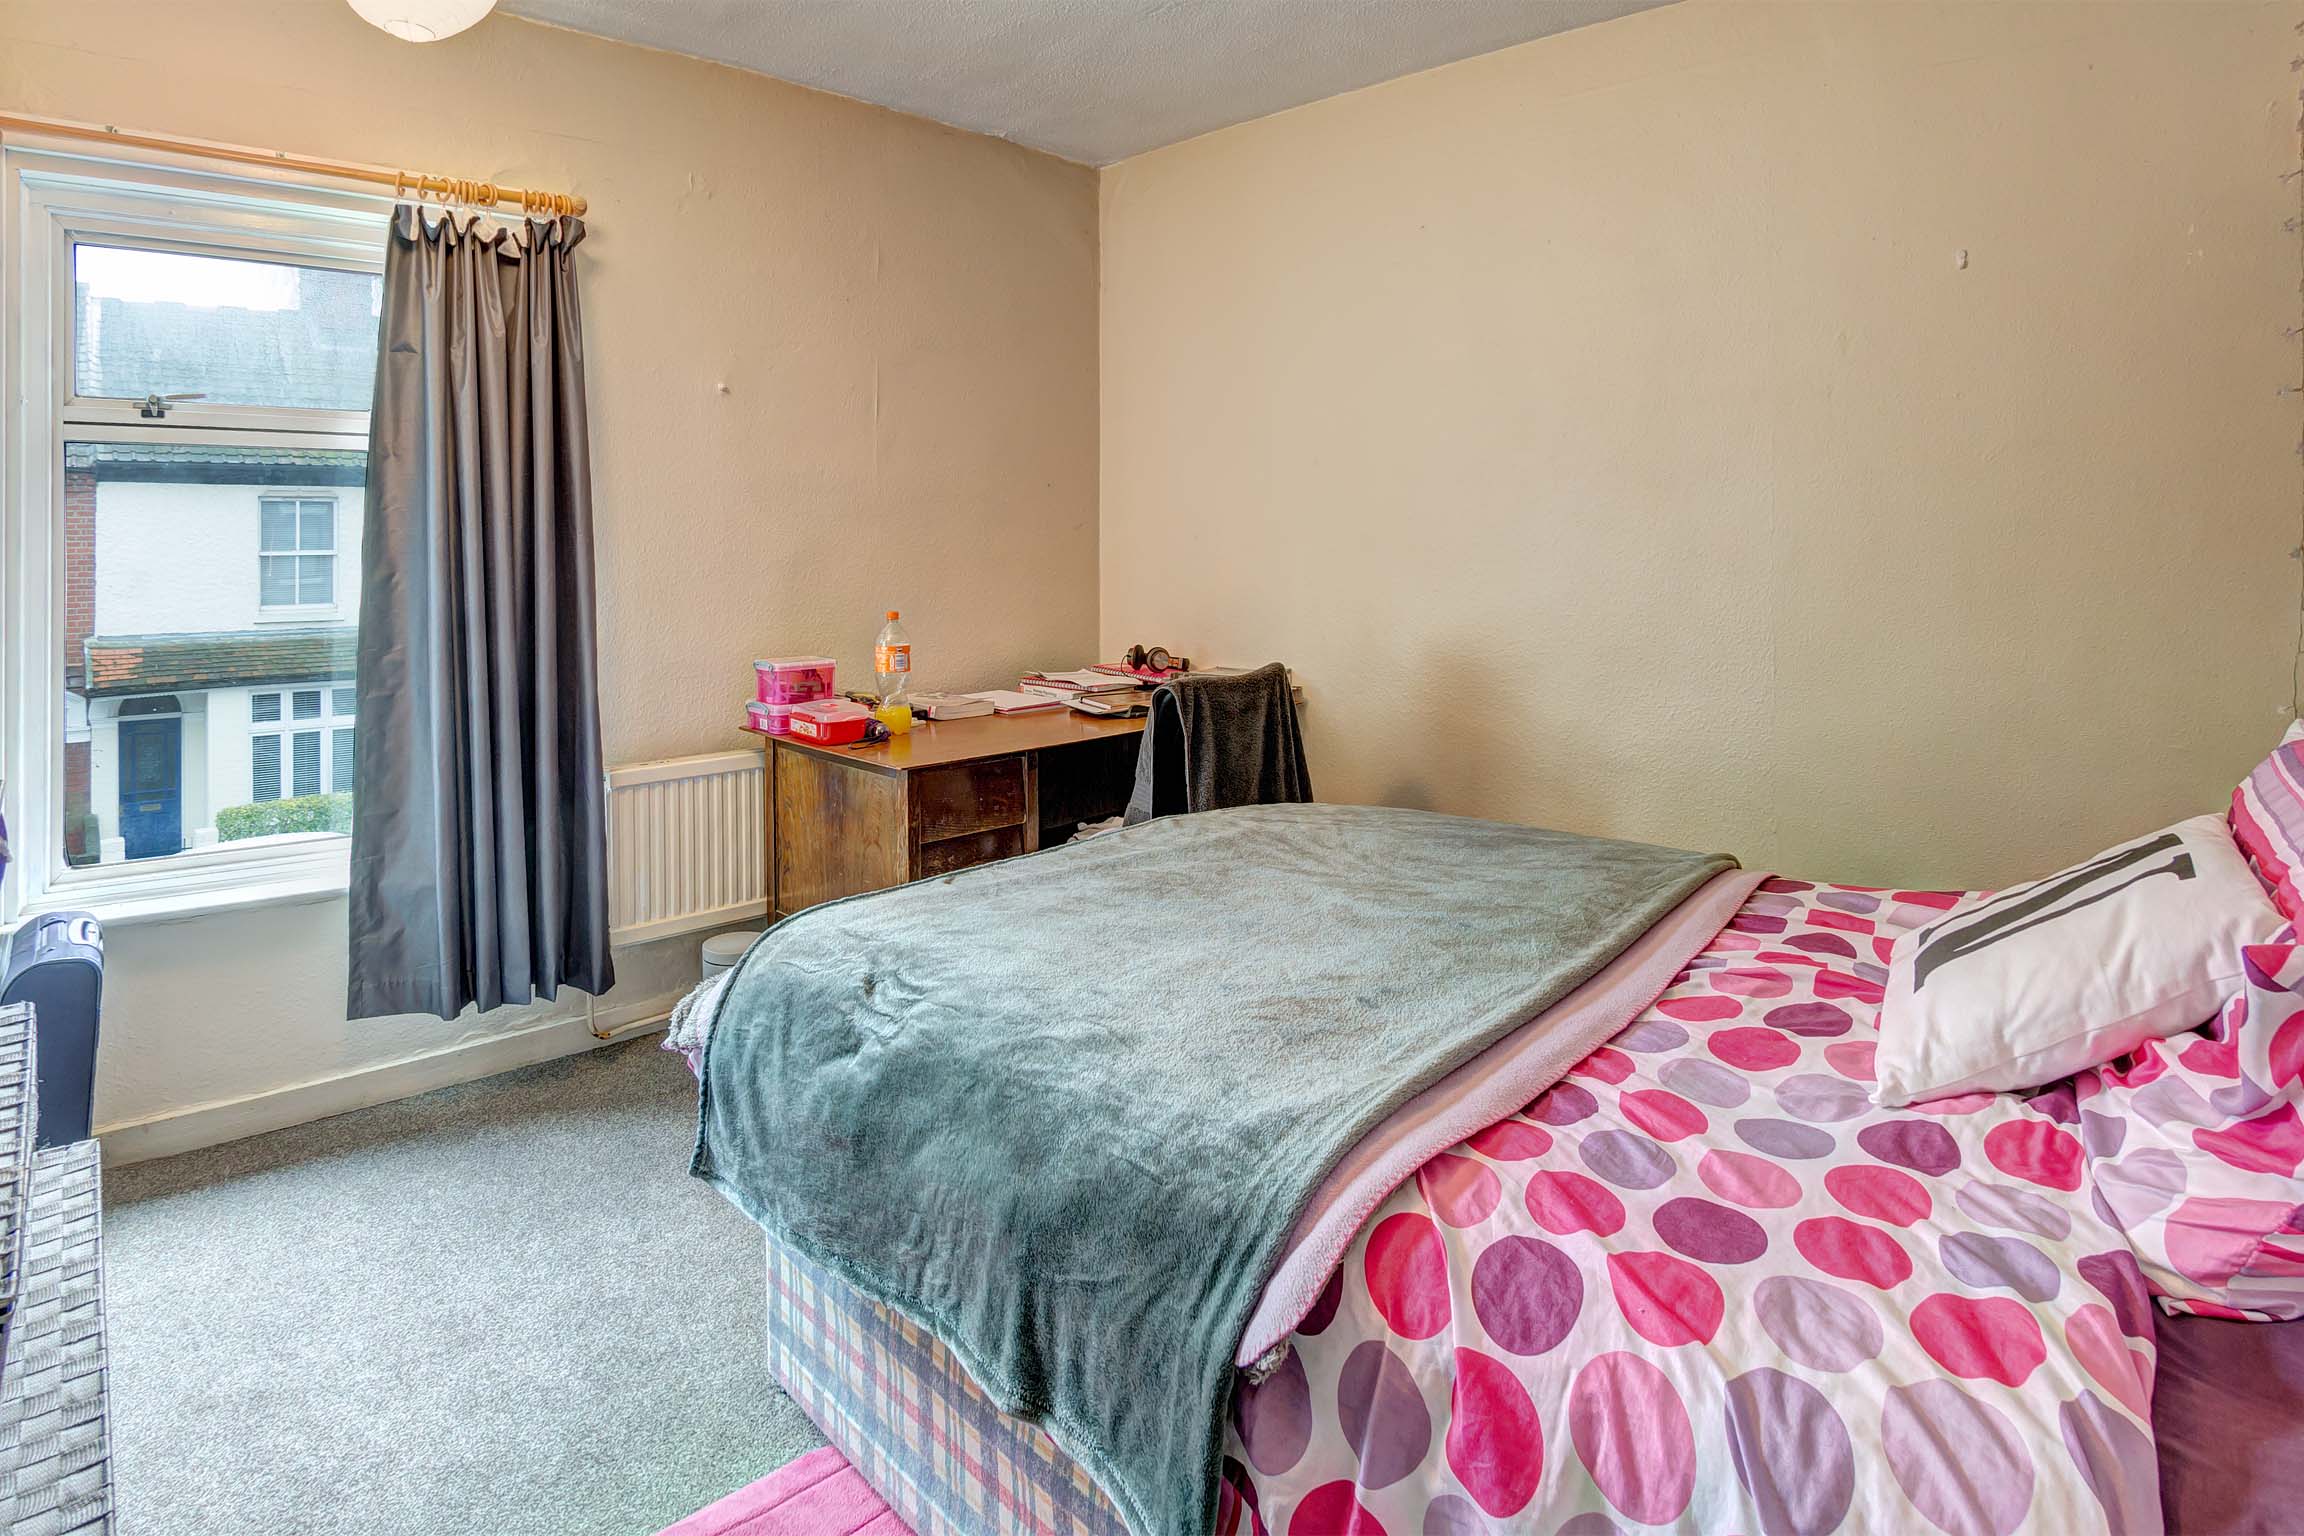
(1700, 1282)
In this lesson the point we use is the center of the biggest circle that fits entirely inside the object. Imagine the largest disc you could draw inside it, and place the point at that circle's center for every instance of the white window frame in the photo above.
(328, 722)
(301, 613)
(52, 194)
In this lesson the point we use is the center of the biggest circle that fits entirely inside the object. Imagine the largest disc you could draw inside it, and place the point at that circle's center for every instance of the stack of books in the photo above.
(1124, 705)
(1138, 676)
(1064, 687)
(1011, 701)
(950, 706)
(1099, 690)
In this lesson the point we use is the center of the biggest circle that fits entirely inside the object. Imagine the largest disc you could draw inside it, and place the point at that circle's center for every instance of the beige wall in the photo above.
(904, 320)
(1609, 434)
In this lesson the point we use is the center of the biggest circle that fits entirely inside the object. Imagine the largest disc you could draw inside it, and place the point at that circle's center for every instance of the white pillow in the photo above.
(2023, 986)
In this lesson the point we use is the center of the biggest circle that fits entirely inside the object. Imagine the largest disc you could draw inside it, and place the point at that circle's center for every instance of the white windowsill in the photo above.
(299, 869)
(310, 613)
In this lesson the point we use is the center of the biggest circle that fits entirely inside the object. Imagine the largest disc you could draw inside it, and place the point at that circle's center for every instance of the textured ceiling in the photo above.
(1091, 80)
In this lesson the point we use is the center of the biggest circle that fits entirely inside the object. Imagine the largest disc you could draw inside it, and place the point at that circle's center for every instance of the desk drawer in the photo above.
(967, 798)
(976, 848)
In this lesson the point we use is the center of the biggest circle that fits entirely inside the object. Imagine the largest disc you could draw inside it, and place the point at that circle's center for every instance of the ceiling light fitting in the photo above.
(423, 21)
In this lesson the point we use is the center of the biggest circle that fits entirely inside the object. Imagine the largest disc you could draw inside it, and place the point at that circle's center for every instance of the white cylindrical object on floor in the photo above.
(723, 950)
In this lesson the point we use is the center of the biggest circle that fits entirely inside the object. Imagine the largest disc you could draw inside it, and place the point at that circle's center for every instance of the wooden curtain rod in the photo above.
(438, 189)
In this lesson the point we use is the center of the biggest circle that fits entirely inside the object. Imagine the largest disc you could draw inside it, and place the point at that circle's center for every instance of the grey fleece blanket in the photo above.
(1077, 1164)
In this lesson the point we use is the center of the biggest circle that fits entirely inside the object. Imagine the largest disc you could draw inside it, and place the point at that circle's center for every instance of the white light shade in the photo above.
(423, 21)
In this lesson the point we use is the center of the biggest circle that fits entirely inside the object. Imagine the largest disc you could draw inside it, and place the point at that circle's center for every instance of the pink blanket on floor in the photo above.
(818, 1494)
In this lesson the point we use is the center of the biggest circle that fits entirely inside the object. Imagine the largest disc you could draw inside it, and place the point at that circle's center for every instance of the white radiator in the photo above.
(686, 847)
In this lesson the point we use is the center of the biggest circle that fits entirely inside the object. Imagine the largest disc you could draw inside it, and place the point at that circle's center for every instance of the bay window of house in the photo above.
(183, 518)
(301, 743)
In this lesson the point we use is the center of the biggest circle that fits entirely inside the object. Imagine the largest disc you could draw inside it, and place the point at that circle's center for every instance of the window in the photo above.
(296, 560)
(300, 742)
(196, 355)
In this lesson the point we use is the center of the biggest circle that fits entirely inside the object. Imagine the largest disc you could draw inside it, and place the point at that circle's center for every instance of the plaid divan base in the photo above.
(905, 1414)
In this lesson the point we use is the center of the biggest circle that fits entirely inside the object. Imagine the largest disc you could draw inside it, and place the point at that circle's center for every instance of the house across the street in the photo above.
(212, 592)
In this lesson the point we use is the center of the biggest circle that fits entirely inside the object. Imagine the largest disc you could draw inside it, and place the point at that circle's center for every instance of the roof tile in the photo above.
(302, 653)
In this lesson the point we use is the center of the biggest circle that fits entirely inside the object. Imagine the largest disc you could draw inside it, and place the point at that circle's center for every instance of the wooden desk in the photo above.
(943, 796)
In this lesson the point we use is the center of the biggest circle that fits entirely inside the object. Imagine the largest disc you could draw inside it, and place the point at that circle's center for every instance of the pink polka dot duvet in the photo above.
(2194, 1145)
(1704, 1284)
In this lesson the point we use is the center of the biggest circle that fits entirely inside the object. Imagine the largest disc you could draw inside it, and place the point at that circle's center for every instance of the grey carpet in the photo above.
(499, 1309)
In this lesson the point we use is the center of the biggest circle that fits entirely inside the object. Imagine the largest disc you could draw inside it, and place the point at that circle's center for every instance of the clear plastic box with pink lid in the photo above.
(793, 679)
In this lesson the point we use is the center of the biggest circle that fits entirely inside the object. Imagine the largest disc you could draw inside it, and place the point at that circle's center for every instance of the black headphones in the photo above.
(1155, 658)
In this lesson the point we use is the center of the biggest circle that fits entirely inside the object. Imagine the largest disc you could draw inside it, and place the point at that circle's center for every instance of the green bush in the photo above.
(270, 818)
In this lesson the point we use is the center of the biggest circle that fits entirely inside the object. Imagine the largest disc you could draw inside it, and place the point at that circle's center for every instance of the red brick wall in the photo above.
(79, 833)
(79, 569)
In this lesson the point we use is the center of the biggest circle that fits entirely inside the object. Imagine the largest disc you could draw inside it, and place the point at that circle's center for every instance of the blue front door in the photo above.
(151, 787)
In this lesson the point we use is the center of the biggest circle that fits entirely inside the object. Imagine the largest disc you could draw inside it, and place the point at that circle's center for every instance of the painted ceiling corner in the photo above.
(1091, 80)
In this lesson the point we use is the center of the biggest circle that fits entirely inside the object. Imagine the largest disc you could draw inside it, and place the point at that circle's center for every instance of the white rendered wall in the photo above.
(104, 766)
(228, 762)
(182, 559)
(197, 809)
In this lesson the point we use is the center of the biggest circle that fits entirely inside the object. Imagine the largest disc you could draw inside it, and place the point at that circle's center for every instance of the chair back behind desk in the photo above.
(942, 796)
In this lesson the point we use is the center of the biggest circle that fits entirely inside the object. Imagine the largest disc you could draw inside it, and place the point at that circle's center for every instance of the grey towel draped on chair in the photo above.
(479, 858)
(1215, 740)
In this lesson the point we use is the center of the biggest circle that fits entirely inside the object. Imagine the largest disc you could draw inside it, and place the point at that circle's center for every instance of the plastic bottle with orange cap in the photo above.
(892, 668)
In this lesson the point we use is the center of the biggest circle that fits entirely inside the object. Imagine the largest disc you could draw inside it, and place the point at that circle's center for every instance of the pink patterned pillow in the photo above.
(2194, 1143)
(2267, 818)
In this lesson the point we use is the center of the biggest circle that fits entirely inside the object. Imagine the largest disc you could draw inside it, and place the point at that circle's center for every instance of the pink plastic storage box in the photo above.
(793, 679)
(772, 719)
(833, 722)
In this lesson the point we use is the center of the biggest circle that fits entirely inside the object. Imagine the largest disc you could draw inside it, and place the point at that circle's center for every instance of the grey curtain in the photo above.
(479, 846)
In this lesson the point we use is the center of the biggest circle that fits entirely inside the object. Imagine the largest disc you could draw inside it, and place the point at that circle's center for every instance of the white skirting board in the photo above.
(207, 1125)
